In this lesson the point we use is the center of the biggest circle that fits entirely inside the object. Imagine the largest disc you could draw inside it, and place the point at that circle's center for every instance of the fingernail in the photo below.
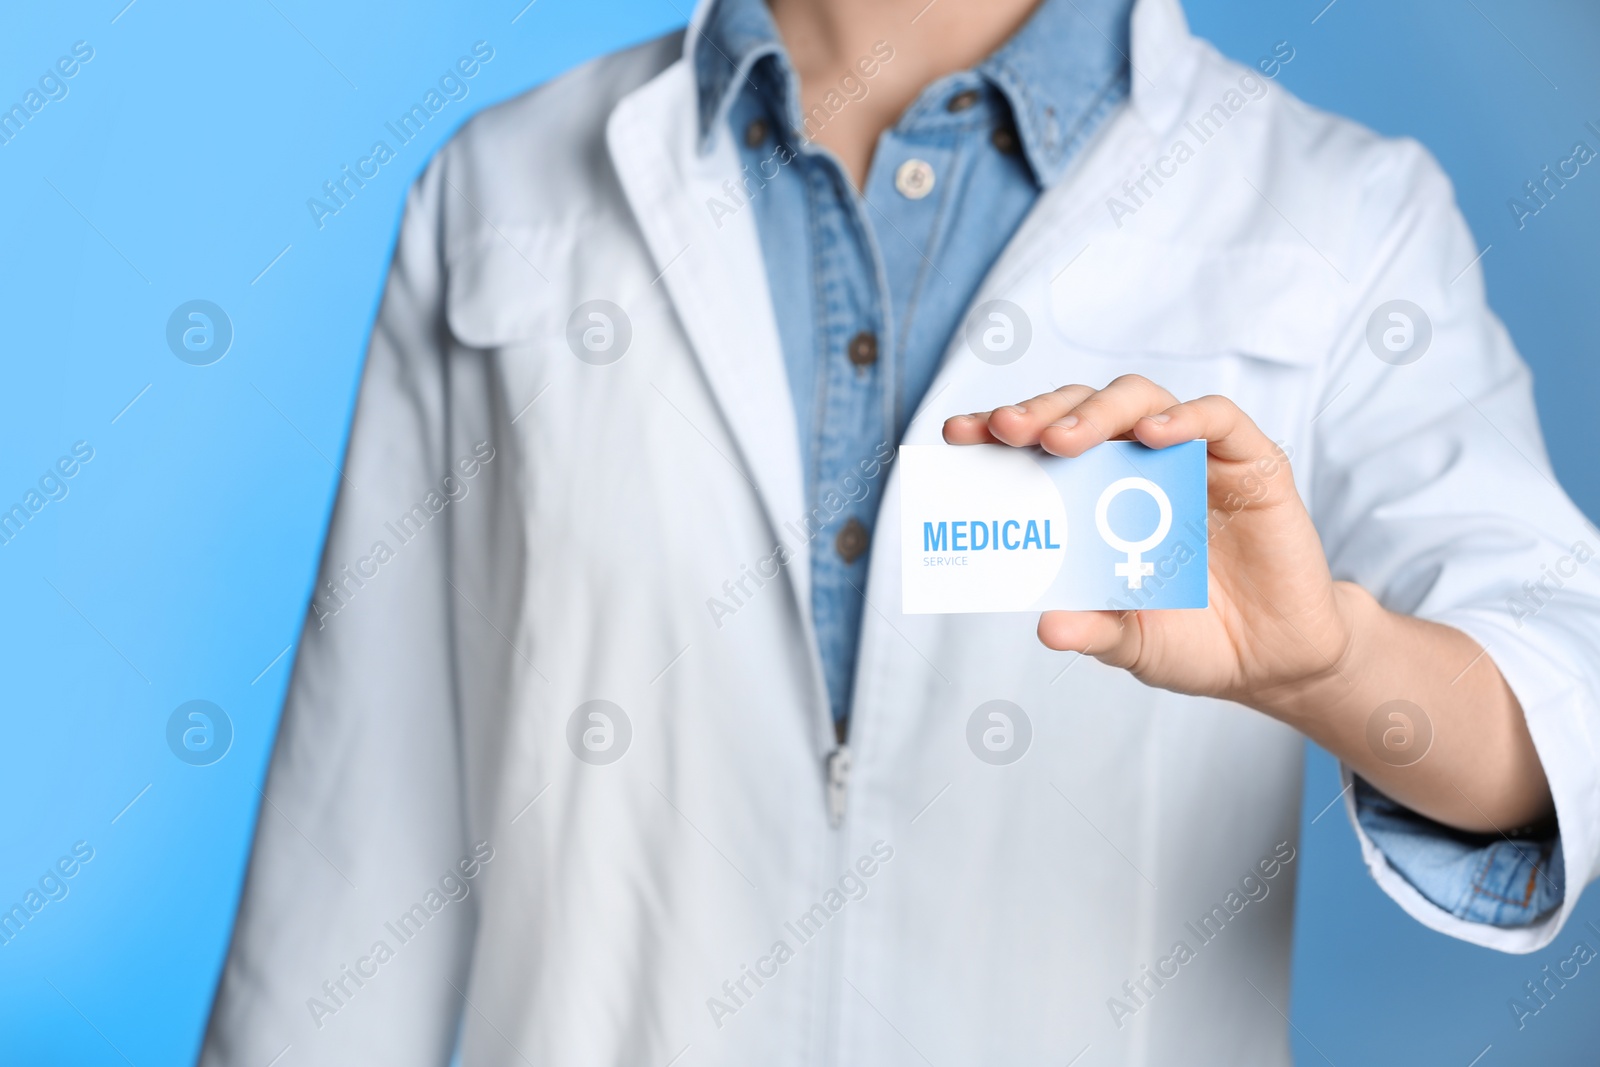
(1067, 422)
(1013, 409)
(1163, 417)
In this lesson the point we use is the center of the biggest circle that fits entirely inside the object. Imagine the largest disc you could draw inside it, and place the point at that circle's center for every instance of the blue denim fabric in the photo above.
(1482, 878)
(901, 269)
(841, 262)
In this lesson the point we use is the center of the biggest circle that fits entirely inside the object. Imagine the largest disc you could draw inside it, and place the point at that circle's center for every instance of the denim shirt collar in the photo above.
(1059, 73)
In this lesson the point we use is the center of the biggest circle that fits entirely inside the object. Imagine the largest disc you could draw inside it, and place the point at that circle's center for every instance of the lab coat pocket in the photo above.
(1129, 295)
(496, 295)
(1252, 323)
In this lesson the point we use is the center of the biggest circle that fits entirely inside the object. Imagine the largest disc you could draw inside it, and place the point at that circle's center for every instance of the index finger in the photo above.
(1229, 433)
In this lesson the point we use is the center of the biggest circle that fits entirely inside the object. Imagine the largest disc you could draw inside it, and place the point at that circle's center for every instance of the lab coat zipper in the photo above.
(838, 789)
(838, 784)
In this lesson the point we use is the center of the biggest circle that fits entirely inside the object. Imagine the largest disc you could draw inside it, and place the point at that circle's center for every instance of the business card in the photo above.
(995, 528)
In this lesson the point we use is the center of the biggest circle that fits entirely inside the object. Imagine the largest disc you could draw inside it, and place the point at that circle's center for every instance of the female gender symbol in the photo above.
(1135, 568)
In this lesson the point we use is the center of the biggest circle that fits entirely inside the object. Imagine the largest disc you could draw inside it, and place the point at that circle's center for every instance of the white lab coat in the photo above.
(431, 711)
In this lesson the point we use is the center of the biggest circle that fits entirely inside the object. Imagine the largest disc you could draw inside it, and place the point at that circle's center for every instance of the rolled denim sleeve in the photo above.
(1481, 878)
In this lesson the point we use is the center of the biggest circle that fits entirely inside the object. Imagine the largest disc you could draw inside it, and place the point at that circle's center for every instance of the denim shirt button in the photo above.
(851, 543)
(962, 100)
(914, 179)
(755, 134)
(863, 350)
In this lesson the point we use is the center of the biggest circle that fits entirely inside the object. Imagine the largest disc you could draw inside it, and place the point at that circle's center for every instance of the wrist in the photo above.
(1357, 625)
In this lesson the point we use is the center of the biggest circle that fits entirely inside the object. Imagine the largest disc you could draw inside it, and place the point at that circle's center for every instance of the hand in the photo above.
(1277, 623)
(1280, 635)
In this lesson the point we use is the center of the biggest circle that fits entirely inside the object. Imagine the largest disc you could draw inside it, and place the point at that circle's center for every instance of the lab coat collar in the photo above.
(711, 266)
(1162, 60)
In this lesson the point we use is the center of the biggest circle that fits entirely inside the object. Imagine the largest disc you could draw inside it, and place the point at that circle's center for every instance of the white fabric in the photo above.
(430, 713)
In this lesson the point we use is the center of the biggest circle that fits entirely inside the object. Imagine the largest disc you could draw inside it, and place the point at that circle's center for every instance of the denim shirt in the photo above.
(869, 287)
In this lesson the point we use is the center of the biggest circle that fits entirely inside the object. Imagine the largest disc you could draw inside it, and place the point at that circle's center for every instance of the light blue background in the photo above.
(179, 566)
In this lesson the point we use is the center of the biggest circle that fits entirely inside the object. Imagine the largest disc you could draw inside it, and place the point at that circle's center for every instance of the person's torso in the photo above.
(967, 907)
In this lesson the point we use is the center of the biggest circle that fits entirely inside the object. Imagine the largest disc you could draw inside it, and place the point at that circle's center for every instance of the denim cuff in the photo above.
(1482, 878)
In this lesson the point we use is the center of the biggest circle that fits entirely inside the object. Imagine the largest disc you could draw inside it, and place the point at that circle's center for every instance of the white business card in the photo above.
(995, 528)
